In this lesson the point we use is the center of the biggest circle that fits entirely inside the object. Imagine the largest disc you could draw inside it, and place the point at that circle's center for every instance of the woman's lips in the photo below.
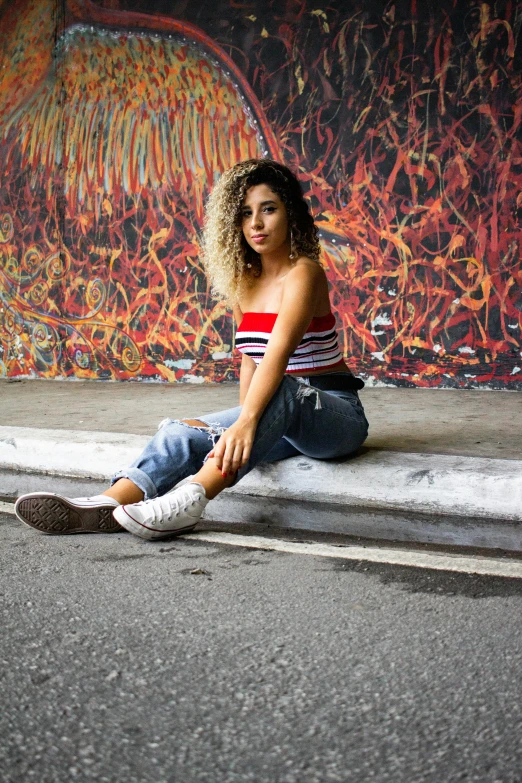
(258, 239)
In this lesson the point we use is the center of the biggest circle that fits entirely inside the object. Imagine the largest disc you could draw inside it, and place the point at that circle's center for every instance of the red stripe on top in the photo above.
(264, 322)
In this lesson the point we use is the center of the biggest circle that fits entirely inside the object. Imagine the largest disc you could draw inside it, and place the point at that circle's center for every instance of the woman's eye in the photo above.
(269, 209)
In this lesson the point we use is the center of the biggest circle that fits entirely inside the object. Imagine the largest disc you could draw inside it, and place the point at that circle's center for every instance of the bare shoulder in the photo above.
(307, 280)
(306, 269)
(247, 295)
(307, 273)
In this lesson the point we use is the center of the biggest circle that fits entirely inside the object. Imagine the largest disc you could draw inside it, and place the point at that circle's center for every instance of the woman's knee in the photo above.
(193, 432)
(176, 435)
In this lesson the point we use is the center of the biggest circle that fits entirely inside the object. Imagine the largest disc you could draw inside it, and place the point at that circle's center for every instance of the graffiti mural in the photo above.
(404, 123)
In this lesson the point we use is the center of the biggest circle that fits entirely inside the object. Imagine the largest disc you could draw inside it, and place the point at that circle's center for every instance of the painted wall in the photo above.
(403, 120)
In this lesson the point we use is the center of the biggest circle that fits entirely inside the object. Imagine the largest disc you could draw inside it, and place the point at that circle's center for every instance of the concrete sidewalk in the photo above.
(438, 466)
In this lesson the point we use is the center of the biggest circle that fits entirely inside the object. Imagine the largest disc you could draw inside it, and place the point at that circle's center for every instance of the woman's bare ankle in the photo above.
(211, 479)
(125, 492)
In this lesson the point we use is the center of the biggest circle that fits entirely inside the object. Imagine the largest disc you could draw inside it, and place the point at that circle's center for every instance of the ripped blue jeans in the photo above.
(299, 419)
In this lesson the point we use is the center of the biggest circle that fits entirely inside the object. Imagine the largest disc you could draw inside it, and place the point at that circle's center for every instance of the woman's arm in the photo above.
(296, 312)
(297, 309)
(248, 365)
(246, 373)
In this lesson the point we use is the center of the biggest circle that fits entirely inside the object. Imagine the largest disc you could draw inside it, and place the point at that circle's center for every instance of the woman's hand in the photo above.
(232, 450)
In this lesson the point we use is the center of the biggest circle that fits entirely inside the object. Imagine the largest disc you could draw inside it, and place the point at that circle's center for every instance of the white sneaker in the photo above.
(176, 512)
(55, 514)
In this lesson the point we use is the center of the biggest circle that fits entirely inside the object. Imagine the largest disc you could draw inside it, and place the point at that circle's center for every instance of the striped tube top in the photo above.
(319, 348)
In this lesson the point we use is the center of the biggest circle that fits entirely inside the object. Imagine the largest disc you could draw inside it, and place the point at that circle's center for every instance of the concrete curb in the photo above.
(78, 453)
(476, 501)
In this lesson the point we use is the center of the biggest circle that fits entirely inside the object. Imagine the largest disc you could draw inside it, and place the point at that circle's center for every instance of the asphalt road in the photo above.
(184, 662)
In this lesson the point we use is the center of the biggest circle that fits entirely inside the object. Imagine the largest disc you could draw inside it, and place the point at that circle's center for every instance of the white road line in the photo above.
(486, 566)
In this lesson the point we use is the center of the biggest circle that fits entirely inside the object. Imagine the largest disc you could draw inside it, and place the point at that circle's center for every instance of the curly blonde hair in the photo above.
(225, 250)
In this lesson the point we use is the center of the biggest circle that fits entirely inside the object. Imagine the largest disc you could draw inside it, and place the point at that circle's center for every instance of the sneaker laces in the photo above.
(168, 506)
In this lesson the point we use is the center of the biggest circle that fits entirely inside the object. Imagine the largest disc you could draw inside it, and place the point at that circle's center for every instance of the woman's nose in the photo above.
(256, 220)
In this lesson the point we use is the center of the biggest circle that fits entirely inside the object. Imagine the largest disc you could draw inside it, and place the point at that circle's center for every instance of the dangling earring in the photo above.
(292, 249)
(249, 266)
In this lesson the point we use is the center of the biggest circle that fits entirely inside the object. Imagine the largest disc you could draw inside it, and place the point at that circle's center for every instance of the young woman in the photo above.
(297, 396)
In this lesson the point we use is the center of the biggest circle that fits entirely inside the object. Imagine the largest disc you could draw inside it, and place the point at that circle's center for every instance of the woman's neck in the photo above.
(275, 265)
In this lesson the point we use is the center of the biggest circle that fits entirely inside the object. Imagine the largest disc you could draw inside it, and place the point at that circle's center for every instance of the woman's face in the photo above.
(264, 220)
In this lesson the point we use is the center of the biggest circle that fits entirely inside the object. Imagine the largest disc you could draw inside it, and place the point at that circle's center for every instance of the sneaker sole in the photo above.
(55, 515)
(138, 529)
